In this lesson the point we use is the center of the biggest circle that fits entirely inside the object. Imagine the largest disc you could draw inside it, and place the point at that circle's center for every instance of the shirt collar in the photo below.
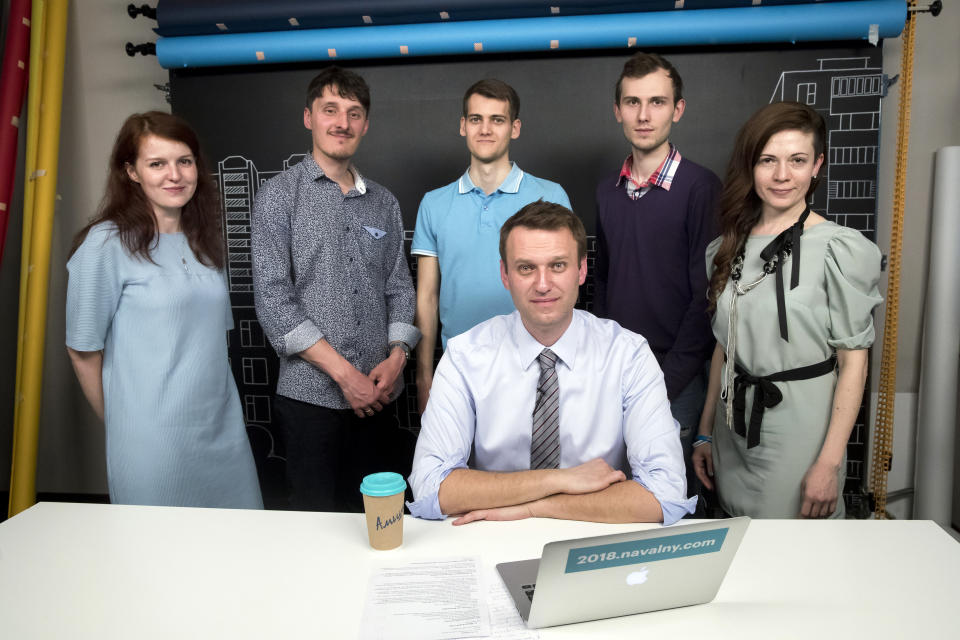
(510, 184)
(315, 172)
(359, 183)
(661, 177)
(565, 348)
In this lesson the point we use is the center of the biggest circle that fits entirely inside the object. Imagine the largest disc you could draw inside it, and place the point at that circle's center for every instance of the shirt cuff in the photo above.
(84, 343)
(428, 505)
(862, 340)
(304, 335)
(403, 332)
(673, 508)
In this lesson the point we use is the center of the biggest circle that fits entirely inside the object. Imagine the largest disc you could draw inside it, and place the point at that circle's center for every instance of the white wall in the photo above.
(934, 123)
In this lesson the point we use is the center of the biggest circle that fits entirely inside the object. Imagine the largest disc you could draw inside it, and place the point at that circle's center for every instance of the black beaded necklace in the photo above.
(774, 255)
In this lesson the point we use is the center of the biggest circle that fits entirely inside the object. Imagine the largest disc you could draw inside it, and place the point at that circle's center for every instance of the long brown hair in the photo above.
(125, 204)
(739, 203)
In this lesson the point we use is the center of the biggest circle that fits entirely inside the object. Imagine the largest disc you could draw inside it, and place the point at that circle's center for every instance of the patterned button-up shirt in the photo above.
(329, 265)
(662, 177)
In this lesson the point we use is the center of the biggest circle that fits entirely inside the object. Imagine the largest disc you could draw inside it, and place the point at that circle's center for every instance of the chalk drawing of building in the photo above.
(847, 92)
(253, 361)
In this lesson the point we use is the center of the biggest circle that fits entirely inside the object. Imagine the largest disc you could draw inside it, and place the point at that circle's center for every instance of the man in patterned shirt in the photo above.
(655, 217)
(334, 296)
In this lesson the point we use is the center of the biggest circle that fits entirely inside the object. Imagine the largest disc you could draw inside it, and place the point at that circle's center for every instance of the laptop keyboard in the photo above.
(528, 589)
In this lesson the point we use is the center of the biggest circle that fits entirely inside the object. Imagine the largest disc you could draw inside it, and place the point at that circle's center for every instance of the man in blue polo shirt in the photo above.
(458, 226)
(655, 217)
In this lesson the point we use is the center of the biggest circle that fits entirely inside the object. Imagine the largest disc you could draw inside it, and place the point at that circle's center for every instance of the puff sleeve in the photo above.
(852, 271)
(94, 288)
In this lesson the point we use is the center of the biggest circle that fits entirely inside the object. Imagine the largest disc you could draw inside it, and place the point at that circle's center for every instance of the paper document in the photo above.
(426, 600)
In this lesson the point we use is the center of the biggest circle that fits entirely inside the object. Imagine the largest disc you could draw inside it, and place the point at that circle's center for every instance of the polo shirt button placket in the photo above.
(485, 220)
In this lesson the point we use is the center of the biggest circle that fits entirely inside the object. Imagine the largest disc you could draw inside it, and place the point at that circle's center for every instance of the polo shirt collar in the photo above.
(315, 172)
(528, 348)
(510, 184)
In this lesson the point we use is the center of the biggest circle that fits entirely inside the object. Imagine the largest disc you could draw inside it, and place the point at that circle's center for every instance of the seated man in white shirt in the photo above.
(582, 433)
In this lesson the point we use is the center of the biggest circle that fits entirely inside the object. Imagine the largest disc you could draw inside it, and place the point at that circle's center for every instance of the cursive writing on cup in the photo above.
(383, 524)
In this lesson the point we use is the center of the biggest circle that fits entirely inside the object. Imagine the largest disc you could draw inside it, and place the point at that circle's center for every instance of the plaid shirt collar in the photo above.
(662, 177)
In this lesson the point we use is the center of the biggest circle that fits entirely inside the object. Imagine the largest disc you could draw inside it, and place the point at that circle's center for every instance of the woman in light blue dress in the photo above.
(147, 316)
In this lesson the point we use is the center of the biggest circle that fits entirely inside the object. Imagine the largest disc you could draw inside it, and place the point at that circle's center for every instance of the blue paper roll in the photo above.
(860, 19)
(200, 17)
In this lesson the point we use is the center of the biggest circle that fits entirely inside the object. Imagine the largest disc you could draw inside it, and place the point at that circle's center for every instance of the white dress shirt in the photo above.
(613, 405)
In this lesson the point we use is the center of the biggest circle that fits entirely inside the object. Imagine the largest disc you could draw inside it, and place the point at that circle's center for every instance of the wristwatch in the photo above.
(403, 345)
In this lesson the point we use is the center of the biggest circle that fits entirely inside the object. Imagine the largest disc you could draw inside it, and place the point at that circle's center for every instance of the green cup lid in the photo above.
(385, 483)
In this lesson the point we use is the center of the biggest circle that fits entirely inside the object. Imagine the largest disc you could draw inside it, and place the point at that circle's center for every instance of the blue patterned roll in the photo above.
(200, 17)
(860, 19)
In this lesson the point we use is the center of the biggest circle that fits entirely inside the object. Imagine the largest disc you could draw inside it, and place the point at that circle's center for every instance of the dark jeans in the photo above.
(329, 451)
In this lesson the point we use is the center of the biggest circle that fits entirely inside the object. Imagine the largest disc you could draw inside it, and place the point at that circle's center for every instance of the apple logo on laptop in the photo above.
(637, 577)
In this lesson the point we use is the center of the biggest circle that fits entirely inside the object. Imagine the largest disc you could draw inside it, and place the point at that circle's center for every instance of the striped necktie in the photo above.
(545, 443)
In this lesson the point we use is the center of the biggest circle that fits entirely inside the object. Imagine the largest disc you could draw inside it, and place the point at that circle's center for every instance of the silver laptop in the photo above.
(623, 573)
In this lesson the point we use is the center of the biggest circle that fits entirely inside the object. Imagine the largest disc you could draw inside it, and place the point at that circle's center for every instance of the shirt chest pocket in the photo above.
(373, 242)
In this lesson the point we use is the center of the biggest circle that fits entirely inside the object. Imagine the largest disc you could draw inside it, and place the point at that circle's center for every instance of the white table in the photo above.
(101, 571)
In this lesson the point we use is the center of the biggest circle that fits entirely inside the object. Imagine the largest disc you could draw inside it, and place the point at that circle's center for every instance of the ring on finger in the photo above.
(368, 411)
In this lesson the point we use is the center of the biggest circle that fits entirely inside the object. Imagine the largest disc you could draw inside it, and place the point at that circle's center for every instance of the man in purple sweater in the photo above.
(655, 217)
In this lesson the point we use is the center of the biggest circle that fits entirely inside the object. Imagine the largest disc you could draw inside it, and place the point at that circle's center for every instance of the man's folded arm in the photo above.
(620, 502)
(466, 490)
(626, 501)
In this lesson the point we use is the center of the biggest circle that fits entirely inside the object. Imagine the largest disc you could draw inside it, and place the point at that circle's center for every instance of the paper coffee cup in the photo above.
(383, 504)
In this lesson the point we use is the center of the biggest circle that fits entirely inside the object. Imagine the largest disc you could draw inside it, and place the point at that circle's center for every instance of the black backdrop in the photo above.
(250, 122)
(569, 134)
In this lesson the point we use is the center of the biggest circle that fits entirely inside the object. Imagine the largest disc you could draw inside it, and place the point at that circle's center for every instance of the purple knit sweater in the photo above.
(650, 274)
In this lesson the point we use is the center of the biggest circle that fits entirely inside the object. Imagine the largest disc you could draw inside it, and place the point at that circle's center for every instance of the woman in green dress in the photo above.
(792, 295)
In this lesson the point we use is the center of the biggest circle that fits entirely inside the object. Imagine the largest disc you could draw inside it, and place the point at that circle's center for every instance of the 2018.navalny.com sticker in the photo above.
(637, 551)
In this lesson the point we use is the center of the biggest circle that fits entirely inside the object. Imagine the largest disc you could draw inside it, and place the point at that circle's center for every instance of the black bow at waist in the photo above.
(767, 395)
